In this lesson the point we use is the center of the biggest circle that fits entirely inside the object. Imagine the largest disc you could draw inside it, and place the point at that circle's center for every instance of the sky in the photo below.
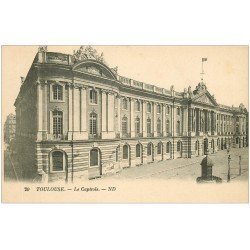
(226, 69)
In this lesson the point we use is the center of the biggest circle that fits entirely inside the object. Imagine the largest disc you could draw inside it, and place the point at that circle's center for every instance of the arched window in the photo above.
(137, 125)
(149, 149)
(149, 126)
(94, 157)
(159, 148)
(137, 106)
(124, 125)
(178, 146)
(149, 107)
(158, 108)
(57, 161)
(158, 126)
(57, 92)
(178, 128)
(57, 122)
(167, 126)
(93, 96)
(125, 152)
(93, 124)
(168, 147)
(125, 103)
(138, 150)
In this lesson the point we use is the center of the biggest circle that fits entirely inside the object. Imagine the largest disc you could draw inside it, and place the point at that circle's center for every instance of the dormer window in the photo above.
(93, 96)
(57, 92)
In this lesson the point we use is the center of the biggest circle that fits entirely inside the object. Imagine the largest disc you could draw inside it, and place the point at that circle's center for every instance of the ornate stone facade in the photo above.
(78, 117)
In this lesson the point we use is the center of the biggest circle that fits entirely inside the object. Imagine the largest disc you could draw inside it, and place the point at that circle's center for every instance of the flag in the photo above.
(204, 59)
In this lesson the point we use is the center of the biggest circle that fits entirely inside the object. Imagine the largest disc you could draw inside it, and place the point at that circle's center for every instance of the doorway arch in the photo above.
(179, 149)
(150, 152)
(95, 159)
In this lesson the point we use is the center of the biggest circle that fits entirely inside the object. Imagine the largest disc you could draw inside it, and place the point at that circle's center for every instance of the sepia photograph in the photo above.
(125, 124)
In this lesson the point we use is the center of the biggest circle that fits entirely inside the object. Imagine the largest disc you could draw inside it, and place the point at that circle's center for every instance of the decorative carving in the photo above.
(87, 52)
(43, 48)
(115, 69)
(201, 87)
(204, 99)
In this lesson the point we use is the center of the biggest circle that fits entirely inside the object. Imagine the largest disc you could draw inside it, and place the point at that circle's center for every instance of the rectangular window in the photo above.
(57, 92)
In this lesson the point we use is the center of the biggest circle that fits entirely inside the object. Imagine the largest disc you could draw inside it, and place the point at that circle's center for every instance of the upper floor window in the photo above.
(124, 125)
(178, 111)
(178, 128)
(149, 107)
(167, 126)
(93, 124)
(57, 122)
(93, 96)
(125, 103)
(158, 108)
(148, 125)
(57, 92)
(158, 126)
(168, 110)
(137, 106)
(137, 125)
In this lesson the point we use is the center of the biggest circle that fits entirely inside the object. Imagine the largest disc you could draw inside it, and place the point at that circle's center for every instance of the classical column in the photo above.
(104, 113)
(118, 114)
(132, 117)
(83, 115)
(39, 111)
(76, 111)
(45, 110)
(185, 122)
(155, 119)
(70, 112)
(111, 116)
(199, 120)
(144, 118)
(164, 132)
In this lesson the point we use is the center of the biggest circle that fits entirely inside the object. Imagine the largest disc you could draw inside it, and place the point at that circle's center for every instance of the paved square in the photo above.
(190, 168)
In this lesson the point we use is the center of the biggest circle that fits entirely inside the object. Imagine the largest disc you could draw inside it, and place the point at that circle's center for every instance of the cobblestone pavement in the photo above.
(190, 168)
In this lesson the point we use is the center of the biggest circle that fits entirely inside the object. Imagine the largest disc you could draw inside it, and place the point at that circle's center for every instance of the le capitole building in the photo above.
(77, 117)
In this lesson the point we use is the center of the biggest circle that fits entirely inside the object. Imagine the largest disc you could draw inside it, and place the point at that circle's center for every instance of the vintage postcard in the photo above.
(125, 124)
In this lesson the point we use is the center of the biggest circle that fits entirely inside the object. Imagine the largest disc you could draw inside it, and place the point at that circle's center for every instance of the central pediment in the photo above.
(94, 67)
(205, 98)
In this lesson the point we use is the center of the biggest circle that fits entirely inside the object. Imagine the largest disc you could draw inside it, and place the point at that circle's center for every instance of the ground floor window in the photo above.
(94, 157)
(125, 152)
(138, 150)
(168, 146)
(57, 161)
(149, 149)
(178, 146)
(159, 148)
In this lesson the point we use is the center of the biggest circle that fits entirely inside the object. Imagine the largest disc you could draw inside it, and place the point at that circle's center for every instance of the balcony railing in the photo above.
(126, 135)
(150, 134)
(94, 136)
(59, 137)
(138, 135)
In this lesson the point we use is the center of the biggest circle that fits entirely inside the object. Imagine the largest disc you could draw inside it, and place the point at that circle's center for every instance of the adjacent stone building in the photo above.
(78, 117)
(9, 128)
